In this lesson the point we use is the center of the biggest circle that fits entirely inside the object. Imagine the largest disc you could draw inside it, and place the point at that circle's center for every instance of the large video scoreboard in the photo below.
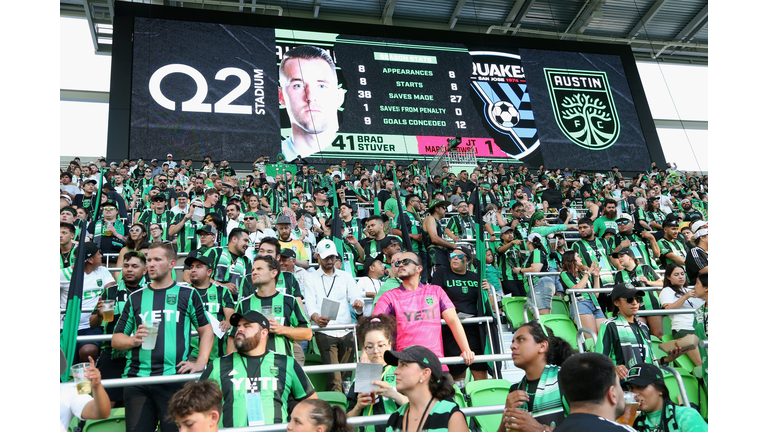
(211, 84)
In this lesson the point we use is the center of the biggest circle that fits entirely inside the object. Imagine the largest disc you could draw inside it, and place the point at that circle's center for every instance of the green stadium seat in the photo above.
(115, 422)
(334, 398)
(485, 393)
(460, 400)
(696, 393)
(560, 307)
(667, 326)
(317, 379)
(563, 328)
(513, 307)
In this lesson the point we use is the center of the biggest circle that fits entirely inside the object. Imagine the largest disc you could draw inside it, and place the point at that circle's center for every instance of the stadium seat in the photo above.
(667, 325)
(696, 393)
(560, 307)
(115, 422)
(563, 327)
(485, 393)
(334, 398)
(460, 400)
(514, 307)
(317, 379)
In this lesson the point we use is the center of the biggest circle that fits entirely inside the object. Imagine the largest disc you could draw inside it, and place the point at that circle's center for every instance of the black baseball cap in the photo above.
(610, 231)
(109, 203)
(91, 249)
(624, 290)
(670, 222)
(182, 195)
(623, 251)
(644, 374)
(369, 262)
(416, 354)
(206, 229)
(288, 253)
(250, 316)
(90, 180)
(389, 240)
(197, 257)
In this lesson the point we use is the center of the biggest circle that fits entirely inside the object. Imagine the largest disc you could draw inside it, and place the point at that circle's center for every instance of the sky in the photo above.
(674, 92)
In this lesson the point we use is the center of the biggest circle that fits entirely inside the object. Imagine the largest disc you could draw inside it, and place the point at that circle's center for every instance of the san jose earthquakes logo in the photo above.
(500, 95)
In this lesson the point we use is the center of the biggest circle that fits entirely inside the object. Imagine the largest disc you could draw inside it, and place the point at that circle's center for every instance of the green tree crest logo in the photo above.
(583, 106)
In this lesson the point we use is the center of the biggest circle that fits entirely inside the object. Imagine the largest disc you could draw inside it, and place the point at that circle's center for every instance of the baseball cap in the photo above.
(90, 180)
(623, 251)
(250, 316)
(207, 229)
(624, 216)
(283, 219)
(169, 155)
(389, 240)
(644, 374)
(182, 195)
(505, 229)
(197, 257)
(197, 201)
(624, 290)
(326, 248)
(610, 231)
(533, 236)
(91, 249)
(109, 203)
(670, 222)
(288, 253)
(699, 224)
(416, 354)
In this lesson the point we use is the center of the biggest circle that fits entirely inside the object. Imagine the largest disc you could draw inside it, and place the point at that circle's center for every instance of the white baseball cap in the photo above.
(326, 248)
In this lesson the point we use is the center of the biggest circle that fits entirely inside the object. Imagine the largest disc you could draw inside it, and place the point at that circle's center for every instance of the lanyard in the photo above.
(258, 368)
(421, 421)
(328, 294)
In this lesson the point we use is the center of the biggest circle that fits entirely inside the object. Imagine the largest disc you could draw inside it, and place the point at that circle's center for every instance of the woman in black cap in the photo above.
(641, 275)
(419, 376)
(623, 338)
(538, 352)
(657, 412)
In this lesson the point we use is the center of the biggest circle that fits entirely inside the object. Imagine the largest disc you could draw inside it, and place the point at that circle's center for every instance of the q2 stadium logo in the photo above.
(500, 95)
(583, 107)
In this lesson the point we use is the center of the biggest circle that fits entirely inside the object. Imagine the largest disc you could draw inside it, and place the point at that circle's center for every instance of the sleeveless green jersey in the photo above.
(177, 309)
(274, 376)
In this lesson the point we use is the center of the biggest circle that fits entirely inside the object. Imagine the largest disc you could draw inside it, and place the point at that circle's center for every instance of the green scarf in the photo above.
(630, 345)
(666, 420)
(548, 406)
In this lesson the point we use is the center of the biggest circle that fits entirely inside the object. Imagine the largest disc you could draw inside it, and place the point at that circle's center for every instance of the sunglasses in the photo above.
(249, 218)
(134, 230)
(634, 299)
(404, 262)
(108, 208)
(461, 257)
(622, 223)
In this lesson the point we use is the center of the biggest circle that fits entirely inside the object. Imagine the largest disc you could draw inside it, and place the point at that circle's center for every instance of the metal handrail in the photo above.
(475, 320)
(680, 384)
(341, 367)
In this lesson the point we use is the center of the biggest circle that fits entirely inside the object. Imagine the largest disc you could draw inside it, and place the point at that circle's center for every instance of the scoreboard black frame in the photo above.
(201, 83)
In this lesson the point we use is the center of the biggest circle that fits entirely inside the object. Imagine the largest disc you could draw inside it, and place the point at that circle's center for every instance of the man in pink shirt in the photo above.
(419, 308)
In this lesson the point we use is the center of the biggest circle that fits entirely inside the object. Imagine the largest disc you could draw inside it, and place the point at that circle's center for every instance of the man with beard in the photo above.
(374, 227)
(217, 301)
(287, 321)
(256, 382)
(689, 213)
(111, 362)
(462, 225)
(608, 219)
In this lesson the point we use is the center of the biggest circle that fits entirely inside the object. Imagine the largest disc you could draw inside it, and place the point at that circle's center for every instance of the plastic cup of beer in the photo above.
(108, 310)
(151, 340)
(267, 312)
(82, 383)
(630, 409)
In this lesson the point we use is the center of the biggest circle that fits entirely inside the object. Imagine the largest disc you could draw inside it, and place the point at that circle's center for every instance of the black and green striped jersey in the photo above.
(67, 259)
(178, 309)
(596, 250)
(164, 219)
(324, 212)
(274, 376)
(538, 257)
(276, 200)
(436, 421)
(413, 223)
(215, 299)
(287, 313)
(650, 298)
(354, 225)
(230, 268)
(187, 239)
(638, 245)
(509, 259)
(461, 226)
(675, 247)
(119, 294)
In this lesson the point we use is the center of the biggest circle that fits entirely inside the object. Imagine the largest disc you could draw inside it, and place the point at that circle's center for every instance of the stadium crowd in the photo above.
(375, 257)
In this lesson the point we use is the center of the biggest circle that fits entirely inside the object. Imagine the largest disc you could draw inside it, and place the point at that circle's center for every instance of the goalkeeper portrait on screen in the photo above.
(310, 92)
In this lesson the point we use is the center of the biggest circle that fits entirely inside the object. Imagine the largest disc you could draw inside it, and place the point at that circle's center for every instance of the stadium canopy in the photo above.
(657, 30)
